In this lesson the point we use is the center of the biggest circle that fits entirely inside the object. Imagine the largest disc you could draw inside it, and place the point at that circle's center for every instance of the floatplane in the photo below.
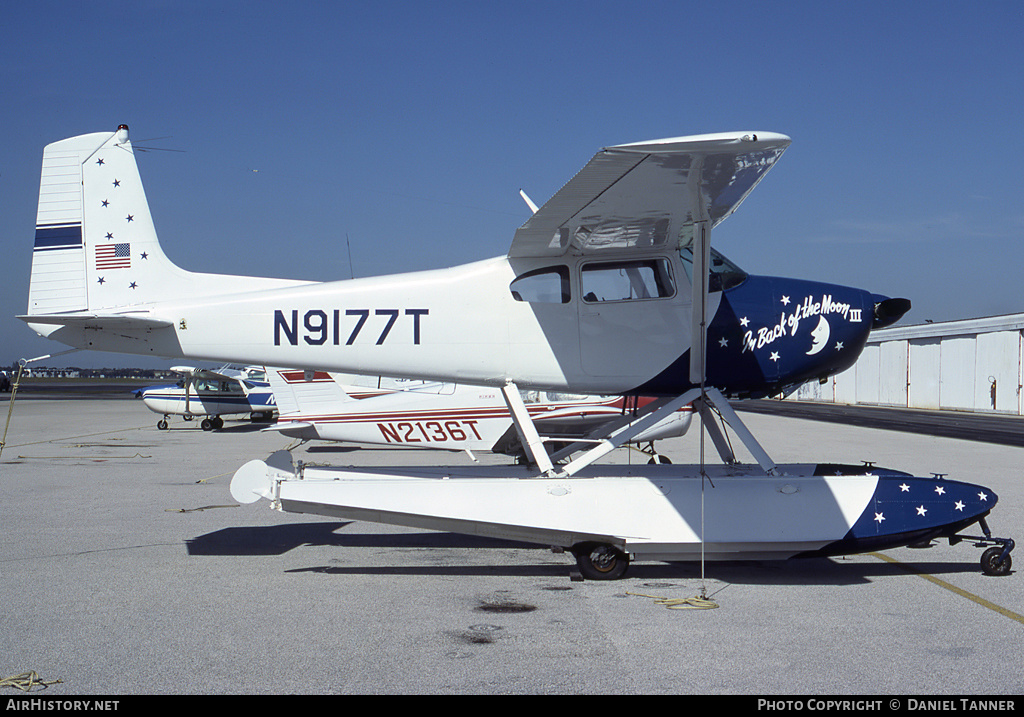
(611, 287)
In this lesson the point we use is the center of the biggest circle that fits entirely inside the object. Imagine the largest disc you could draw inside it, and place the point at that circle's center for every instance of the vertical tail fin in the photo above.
(96, 246)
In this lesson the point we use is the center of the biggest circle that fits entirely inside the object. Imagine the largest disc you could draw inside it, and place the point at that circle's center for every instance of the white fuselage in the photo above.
(460, 324)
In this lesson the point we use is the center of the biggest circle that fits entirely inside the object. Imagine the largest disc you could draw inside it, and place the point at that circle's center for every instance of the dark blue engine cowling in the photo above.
(770, 334)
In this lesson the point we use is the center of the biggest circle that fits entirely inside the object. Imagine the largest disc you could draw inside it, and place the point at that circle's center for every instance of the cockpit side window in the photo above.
(626, 280)
(549, 285)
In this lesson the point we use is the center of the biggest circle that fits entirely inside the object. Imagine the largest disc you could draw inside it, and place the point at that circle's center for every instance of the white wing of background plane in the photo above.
(647, 194)
(223, 374)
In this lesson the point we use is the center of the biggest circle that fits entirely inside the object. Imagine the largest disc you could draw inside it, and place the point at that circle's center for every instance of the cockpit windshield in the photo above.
(723, 274)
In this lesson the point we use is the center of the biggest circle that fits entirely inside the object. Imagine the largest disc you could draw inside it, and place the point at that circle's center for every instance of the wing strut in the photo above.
(698, 352)
(699, 330)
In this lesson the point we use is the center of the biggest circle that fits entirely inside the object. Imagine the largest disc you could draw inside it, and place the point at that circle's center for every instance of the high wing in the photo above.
(207, 373)
(646, 194)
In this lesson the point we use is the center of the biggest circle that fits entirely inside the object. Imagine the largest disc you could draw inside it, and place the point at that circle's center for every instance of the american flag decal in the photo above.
(114, 256)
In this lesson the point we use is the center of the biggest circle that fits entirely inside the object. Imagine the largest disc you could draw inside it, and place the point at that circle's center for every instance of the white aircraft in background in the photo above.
(455, 417)
(611, 287)
(211, 394)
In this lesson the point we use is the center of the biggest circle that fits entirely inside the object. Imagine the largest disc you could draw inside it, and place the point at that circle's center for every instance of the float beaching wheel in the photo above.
(601, 561)
(993, 562)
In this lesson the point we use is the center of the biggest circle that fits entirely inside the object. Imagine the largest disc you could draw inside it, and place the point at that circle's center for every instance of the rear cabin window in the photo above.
(545, 286)
(626, 281)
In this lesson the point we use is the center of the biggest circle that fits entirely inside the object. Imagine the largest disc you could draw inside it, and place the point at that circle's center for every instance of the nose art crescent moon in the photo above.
(819, 336)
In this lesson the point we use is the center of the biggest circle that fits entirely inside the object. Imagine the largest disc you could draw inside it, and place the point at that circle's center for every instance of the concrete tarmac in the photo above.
(128, 569)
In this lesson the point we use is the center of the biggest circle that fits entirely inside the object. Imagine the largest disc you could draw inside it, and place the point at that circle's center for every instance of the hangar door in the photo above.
(892, 373)
(996, 386)
(867, 374)
(956, 372)
(923, 388)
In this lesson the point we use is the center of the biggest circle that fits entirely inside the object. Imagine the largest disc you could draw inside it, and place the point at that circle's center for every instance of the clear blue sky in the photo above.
(409, 128)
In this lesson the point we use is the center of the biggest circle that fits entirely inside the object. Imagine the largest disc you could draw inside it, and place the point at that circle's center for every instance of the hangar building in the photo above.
(967, 365)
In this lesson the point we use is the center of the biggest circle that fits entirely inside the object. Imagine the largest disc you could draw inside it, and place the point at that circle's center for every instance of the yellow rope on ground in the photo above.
(26, 681)
(694, 603)
(10, 408)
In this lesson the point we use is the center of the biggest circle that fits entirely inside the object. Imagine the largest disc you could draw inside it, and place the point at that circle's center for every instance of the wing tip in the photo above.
(707, 142)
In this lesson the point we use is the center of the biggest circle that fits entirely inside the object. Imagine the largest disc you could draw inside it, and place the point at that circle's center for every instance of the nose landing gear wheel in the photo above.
(600, 561)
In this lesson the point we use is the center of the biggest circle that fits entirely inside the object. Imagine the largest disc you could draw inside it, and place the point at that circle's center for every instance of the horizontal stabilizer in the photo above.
(98, 321)
(290, 425)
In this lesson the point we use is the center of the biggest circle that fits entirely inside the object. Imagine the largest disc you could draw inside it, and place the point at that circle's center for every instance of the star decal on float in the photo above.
(939, 489)
(723, 342)
(959, 505)
(785, 301)
(982, 496)
(774, 356)
(879, 518)
(921, 510)
(744, 321)
(905, 488)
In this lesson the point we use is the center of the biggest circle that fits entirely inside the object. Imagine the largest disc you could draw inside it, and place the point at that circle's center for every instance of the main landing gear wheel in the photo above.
(209, 424)
(993, 562)
(601, 561)
(162, 424)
